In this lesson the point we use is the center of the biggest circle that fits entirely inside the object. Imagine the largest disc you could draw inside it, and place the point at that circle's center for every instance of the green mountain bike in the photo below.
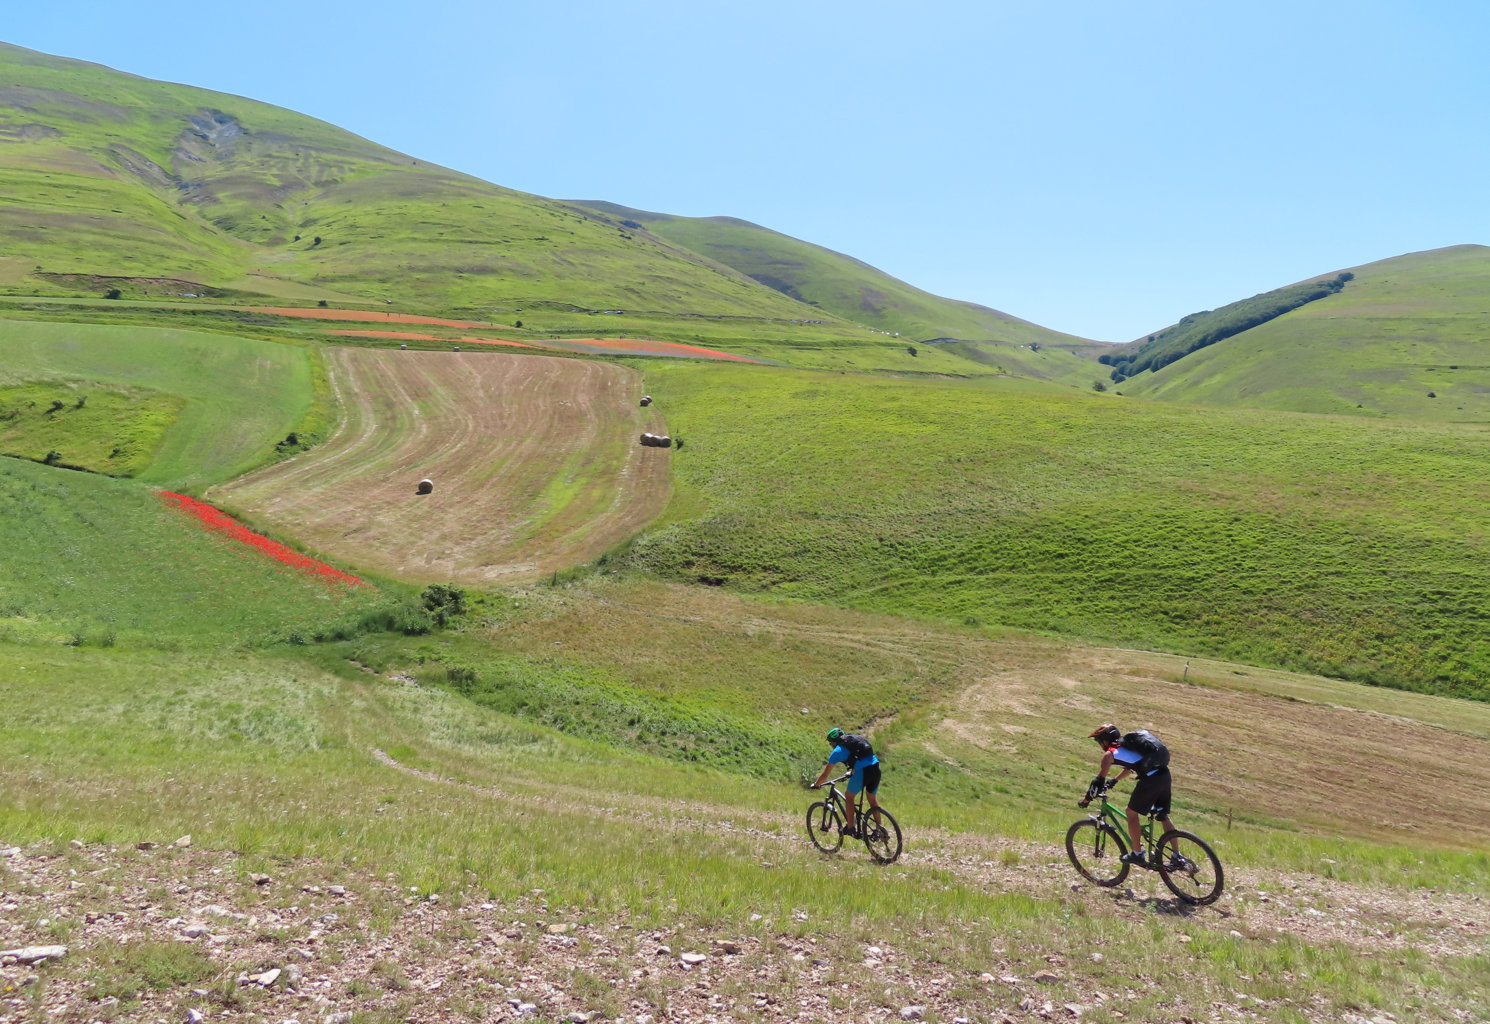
(1186, 863)
(825, 824)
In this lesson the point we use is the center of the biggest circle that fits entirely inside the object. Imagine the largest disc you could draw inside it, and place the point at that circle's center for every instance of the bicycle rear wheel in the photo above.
(1190, 867)
(1096, 850)
(882, 836)
(824, 827)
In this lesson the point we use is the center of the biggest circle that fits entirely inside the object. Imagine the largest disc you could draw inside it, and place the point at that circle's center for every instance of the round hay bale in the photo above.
(425, 486)
(403, 347)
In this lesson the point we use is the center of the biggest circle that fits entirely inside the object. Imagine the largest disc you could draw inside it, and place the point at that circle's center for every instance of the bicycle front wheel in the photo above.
(824, 827)
(881, 834)
(1190, 867)
(1096, 850)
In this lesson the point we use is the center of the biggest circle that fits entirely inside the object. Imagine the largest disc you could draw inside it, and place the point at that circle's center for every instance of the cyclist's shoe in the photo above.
(1138, 860)
(850, 833)
(1178, 865)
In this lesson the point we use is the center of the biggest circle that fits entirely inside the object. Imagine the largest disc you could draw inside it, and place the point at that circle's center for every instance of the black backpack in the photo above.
(1155, 753)
(859, 749)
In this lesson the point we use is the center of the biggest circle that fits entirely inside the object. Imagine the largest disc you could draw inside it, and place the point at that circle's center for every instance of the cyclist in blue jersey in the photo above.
(856, 754)
(1145, 755)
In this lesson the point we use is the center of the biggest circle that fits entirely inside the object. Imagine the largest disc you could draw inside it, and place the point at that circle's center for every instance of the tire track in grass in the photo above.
(1305, 907)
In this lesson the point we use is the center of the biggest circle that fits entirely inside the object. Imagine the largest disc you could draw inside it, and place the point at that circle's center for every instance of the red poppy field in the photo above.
(220, 522)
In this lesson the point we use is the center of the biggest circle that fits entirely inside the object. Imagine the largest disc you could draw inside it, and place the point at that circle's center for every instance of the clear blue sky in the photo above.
(1098, 168)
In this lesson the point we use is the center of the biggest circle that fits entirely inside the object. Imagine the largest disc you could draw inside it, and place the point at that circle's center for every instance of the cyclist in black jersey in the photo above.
(1143, 754)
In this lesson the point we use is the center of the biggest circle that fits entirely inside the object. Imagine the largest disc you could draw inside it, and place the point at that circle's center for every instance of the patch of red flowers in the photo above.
(220, 522)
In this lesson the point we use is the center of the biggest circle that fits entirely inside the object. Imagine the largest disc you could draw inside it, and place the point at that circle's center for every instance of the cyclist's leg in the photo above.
(1135, 836)
(1144, 800)
(1160, 798)
(872, 787)
(855, 784)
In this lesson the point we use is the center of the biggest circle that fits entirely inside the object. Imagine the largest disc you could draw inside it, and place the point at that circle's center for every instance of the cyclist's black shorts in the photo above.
(872, 778)
(1151, 795)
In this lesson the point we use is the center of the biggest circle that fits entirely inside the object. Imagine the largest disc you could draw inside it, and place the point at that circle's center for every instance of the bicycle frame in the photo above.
(840, 800)
(1117, 818)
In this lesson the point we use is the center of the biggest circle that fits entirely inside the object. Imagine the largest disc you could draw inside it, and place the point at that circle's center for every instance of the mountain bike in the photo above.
(825, 824)
(1186, 863)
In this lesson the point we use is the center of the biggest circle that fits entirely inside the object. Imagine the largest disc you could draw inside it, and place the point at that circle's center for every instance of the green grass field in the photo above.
(238, 397)
(270, 756)
(96, 561)
(1141, 524)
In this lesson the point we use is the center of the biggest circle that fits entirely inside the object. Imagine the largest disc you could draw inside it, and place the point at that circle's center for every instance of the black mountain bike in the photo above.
(825, 824)
(1186, 863)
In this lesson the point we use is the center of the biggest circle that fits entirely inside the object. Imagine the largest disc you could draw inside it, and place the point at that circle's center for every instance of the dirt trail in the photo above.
(1305, 906)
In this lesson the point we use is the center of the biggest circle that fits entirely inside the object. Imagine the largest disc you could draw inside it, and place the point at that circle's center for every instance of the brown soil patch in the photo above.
(412, 336)
(534, 461)
(647, 347)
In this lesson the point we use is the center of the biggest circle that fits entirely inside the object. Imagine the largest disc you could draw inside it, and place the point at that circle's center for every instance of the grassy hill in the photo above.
(115, 181)
(1408, 338)
(1140, 524)
(842, 286)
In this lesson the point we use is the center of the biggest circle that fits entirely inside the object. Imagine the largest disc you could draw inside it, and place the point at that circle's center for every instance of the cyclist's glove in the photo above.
(1097, 788)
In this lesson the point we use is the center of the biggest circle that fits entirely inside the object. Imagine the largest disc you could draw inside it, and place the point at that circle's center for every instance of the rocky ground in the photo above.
(173, 933)
(178, 934)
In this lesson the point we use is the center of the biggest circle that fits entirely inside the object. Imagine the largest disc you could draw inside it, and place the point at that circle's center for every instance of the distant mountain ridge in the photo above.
(835, 282)
(110, 181)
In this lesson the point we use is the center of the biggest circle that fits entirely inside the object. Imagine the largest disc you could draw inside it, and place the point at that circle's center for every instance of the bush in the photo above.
(113, 293)
(444, 602)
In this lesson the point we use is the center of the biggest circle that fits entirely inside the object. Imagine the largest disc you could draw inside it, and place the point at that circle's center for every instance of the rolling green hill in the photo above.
(1167, 527)
(115, 181)
(1406, 338)
(844, 287)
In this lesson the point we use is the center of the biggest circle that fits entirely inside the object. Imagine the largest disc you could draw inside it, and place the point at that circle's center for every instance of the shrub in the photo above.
(443, 602)
(113, 293)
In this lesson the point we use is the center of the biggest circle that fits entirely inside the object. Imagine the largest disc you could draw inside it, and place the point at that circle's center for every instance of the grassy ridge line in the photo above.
(1405, 339)
(240, 396)
(1198, 330)
(834, 283)
(274, 194)
(1131, 523)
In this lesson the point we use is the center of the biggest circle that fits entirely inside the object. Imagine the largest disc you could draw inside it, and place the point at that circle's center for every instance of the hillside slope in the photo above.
(108, 180)
(843, 286)
(1407, 337)
(1207, 531)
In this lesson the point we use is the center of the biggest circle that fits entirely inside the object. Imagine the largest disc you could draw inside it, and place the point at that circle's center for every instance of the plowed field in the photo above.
(534, 459)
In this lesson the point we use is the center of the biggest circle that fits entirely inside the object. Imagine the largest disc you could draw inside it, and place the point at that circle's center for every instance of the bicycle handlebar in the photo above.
(819, 785)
